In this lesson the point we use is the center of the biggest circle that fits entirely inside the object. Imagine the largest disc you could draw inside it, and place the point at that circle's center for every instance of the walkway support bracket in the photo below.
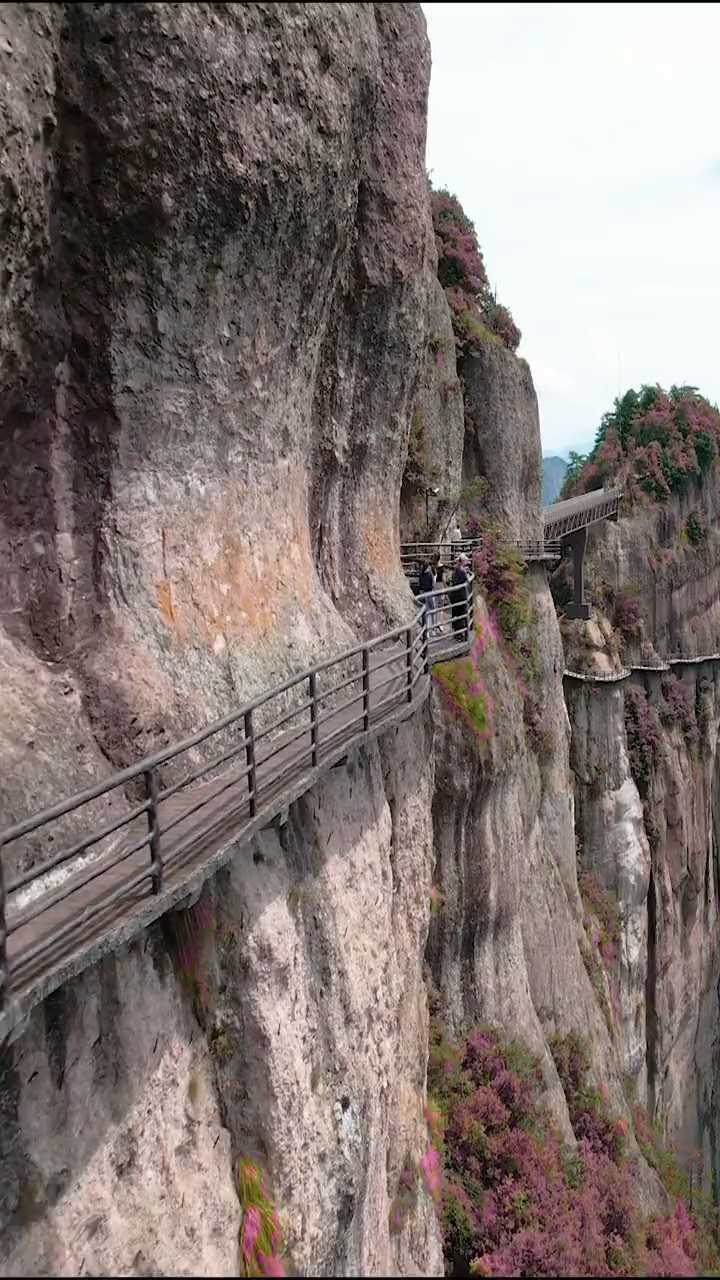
(250, 762)
(578, 606)
(3, 933)
(312, 683)
(151, 791)
(366, 688)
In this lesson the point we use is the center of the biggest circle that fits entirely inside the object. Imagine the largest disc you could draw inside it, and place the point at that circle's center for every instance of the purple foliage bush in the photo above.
(461, 271)
(627, 617)
(676, 708)
(189, 932)
(644, 733)
(515, 1201)
(654, 441)
(602, 905)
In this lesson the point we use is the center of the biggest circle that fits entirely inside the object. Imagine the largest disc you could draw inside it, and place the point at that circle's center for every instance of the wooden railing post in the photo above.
(3, 935)
(408, 661)
(151, 791)
(312, 681)
(366, 689)
(250, 762)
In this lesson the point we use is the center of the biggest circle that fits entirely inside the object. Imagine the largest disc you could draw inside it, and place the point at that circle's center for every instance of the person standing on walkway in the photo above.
(427, 577)
(441, 602)
(426, 582)
(458, 594)
(455, 532)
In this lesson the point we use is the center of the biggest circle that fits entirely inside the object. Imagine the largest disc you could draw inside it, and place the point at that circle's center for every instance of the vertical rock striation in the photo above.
(219, 268)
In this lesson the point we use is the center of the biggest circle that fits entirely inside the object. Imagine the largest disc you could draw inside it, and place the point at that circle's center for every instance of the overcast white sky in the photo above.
(583, 140)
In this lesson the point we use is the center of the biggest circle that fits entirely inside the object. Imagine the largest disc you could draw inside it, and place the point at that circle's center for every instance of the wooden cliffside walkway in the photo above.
(666, 664)
(62, 912)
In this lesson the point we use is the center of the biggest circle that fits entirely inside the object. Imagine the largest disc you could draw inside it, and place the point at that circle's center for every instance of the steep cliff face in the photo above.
(644, 756)
(651, 556)
(645, 750)
(510, 941)
(432, 477)
(502, 440)
(220, 319)
(207, 384)
(219, 271)
(126, 1104)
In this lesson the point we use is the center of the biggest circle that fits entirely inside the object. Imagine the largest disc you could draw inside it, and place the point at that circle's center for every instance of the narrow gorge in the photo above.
(454, 1010)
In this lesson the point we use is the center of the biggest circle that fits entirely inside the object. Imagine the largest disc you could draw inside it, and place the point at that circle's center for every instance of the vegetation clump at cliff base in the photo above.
(515, 1200)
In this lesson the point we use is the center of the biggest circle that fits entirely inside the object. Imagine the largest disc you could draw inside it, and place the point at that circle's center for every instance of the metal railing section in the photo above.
(599, 677)
(170, 812)
(413, 554)
(572, 514)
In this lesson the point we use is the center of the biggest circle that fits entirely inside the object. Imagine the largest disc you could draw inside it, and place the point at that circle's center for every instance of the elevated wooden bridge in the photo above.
(569, 522)
(562, 519)
(641, 669)
(175, 817)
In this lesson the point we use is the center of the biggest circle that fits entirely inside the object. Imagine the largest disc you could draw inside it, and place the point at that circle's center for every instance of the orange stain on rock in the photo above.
(165, 604)
(244, 590)
(382, 554)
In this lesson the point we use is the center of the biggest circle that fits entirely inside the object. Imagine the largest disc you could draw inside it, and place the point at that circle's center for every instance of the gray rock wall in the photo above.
(502, 438)
(213, 320)
(661, 866)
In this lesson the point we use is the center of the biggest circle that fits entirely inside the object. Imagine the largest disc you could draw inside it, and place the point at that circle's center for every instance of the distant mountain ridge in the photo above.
(554, 470)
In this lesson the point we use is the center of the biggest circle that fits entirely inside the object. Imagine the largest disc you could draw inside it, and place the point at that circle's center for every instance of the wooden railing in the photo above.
(178, 812)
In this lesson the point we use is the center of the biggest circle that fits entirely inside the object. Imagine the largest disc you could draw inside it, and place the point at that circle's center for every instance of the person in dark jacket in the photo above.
(427, 577)
(458, 597)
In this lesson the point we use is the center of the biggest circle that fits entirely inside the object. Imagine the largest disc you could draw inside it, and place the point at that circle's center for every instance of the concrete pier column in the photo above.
(578, 608)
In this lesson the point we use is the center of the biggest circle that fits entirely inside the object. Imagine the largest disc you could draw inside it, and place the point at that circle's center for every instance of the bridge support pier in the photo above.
(577, 542)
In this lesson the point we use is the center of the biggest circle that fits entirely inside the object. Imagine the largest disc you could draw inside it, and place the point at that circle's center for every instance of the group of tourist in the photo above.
(432, 577)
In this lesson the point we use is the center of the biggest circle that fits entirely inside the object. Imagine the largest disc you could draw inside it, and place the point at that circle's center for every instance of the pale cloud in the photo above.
(582, 140)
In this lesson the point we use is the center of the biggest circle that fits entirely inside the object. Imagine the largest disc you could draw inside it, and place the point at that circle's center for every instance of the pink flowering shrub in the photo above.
(475, 312)
(655, 442)
(431, 1168)
(189, 933)
(677, 708)
(627, 616)
(260, 1234)
(644, 733)
(515, 1201)
(601, 905)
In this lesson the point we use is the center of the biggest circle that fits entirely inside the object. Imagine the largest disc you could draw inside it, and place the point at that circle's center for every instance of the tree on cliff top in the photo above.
(654, 442)
(476, 313)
